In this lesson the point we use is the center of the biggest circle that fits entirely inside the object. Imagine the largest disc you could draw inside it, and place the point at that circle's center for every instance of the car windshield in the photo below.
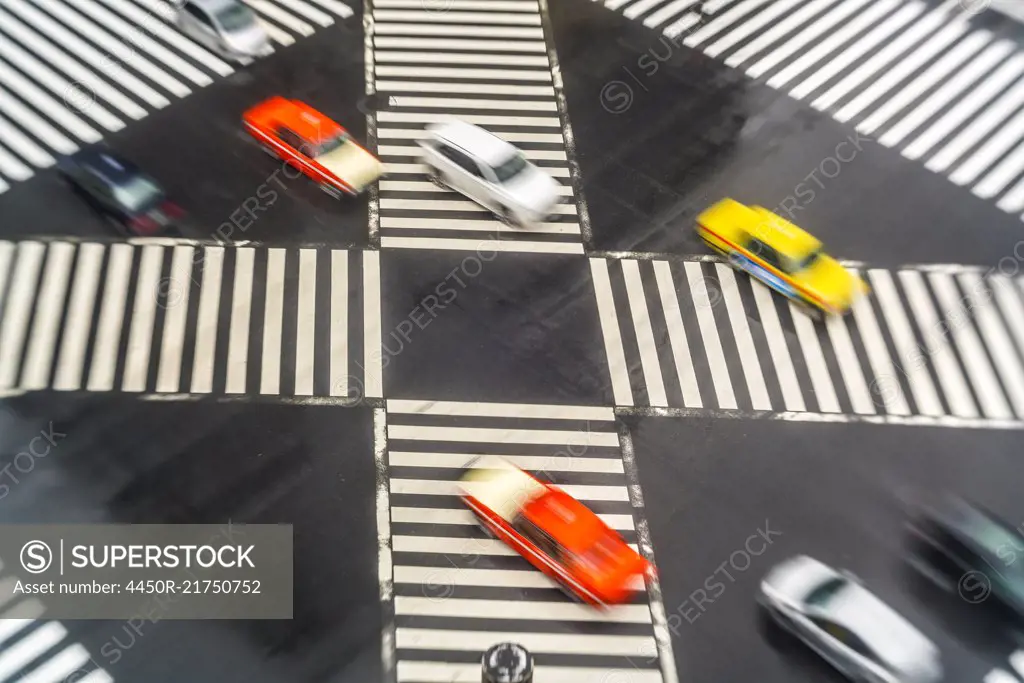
(331, 144)
(510, 168)
(137, 193)
(806, 261)
(824, 594)
(236, 18)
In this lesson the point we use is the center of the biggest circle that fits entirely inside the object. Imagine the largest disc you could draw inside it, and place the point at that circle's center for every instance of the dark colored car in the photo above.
(120, 191)
(968, 550)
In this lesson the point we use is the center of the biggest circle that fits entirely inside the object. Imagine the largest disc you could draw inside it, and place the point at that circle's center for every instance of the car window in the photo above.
(293, 139)
(765, 253)
(137, 193)
(236, 17)
(823, 594)
(196, 13)
(538, 537)
(461, 159)
(510, 168)
(806, 261)
(845, 636)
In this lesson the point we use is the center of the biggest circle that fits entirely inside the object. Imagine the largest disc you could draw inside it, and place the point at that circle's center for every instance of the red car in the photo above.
(309, 141)
(553, 531)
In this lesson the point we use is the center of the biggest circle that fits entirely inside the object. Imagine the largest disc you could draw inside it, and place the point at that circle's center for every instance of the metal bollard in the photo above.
(507, 663)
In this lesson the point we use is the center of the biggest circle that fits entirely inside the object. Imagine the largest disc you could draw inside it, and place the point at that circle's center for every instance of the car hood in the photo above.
(793, 579)
(353, 165)
(533, 189)
(833, 283)
(250, 40)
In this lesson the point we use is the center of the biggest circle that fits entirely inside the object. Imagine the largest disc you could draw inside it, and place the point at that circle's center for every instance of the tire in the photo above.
(436, 178)
(506, 216)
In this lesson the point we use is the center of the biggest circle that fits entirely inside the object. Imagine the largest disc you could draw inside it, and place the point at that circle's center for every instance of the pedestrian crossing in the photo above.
(483, 61)
(74, 71)
(917, 76)
(457, 592)
(172, 319)
(35, 650)
(933, 342)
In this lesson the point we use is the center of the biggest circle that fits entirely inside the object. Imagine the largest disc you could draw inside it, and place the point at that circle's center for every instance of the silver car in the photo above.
(490, 171)
(226, 27)
(854, 631)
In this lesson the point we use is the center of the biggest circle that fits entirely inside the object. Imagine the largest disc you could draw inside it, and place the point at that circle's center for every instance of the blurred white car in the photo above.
(227, 27)
(490, 171)
(854, 631)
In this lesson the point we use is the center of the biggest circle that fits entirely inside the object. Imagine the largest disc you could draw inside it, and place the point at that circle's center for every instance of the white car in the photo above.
(226, 27)
(854, 631)
(490, 171)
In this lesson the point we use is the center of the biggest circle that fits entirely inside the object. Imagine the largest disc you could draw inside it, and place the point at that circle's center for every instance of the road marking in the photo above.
(241, 309)
(648, 348)
(911, 364)
(490, 435)
(373, 344)
(744, 341)
(677, 335)
(958, 394)
(510, 410)
(71, 360)
(849, 366)
(270, 375)
(17, 309)
(807, 333)
(207, 321)
(709, 335)
(49, 308)
(339, 372)
(770, 323)
(972, 353)
(305, 330)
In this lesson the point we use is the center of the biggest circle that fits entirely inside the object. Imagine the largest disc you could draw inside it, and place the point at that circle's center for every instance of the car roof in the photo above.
(482, 144)
(878, 625)
(107, 165)
(566, 520)
(974, 525)
(775, 231)
(307, 122)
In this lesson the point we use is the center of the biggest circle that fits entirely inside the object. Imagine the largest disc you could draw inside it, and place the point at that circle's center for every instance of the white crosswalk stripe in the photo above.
(484, 61)
(937, 343)
(170, 319)
(38, 650)
(918, 76)
(71, 70)
(456, 591)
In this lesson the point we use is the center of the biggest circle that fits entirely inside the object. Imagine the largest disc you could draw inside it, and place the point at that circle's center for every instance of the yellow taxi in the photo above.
(780, 255)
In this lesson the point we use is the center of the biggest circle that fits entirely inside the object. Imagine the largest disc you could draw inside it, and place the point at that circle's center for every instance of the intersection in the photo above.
(333, 365)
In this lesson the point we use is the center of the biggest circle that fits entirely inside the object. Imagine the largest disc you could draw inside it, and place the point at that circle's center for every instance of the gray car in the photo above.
(226, 27)
(854, 631)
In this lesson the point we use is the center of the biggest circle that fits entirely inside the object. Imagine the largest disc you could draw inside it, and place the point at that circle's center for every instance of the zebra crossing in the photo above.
(74, 71)
(190, 319)
(34, 650)
(483, 61)
(942, 342)
(916, 76)
(457, 592)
